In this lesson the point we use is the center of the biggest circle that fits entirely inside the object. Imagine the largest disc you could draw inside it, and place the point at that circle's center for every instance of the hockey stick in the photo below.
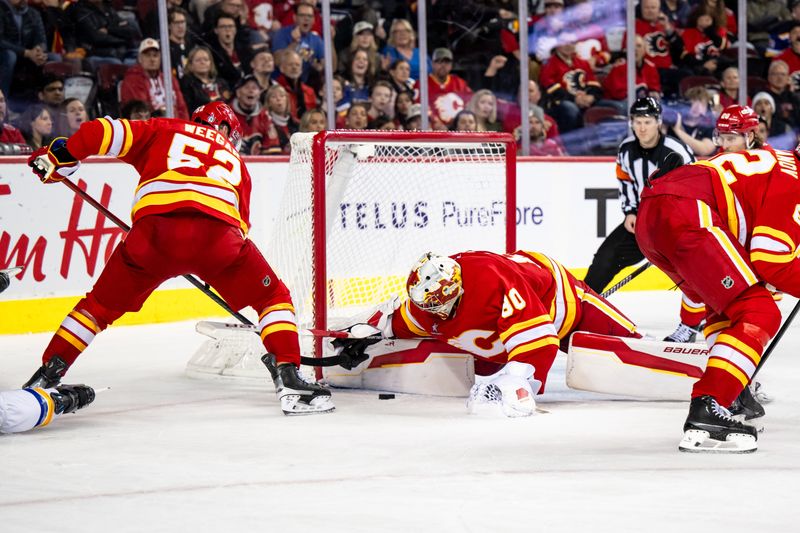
(119, 222)
(778, 336)
(624, 281)
(350, 357)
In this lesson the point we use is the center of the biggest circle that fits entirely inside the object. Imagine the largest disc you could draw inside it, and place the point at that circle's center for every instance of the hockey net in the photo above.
(360, 207)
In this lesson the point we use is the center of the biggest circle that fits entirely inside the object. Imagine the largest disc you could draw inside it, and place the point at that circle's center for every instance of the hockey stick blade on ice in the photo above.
(345, 360)
(624, 281)
(204, 288)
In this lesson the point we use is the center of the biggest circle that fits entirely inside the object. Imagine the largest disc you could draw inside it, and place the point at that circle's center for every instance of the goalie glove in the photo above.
(53, 163)
(509, 391)
(353, 351)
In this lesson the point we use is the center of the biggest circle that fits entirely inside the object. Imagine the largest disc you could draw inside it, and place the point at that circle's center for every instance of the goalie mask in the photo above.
(435, 284)
(214, 114)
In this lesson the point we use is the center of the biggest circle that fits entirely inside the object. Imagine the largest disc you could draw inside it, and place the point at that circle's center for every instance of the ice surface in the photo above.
(162, 452)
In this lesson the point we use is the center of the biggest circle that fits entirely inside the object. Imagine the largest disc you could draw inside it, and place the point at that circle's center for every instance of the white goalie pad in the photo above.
(232, 351)
(640, 368)
(421, 366)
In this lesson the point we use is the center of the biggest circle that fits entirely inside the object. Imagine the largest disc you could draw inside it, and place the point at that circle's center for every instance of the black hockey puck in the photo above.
(383, 396)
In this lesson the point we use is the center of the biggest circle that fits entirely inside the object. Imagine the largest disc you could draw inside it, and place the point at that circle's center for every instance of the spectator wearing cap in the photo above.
(791, 56)
(539, 143)
(22, 46)
(230, 57)
(256, 124)
(105, 36)
(363, 39)
(779, 87)
(262, 66)
(145, 81)
(570, 85)
(299, 38)
(301, 96)
(8, 133)
(764, 106)
(414, 118)
(402, 44)
(200, 83)
(447, 92)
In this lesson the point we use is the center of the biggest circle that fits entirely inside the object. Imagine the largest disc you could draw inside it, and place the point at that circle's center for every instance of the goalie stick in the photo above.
(351, 356)
(204, 287)
(624, 281)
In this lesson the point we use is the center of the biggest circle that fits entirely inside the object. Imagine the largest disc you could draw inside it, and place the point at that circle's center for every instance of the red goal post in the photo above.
(359, 207)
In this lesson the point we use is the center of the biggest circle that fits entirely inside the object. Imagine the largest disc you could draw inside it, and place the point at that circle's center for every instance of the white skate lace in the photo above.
(722, 412)
(683, 333)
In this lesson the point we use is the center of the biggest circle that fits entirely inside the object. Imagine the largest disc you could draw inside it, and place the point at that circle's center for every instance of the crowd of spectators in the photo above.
(266, 58)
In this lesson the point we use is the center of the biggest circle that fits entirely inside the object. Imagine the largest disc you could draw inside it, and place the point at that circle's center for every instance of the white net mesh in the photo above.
(388, 199)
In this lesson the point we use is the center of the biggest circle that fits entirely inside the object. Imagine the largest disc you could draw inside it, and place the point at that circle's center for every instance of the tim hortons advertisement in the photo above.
(563, 209)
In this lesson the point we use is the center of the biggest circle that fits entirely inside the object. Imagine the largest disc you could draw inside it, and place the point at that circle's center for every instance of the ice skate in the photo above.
(683, 333)
(48, 375)
(709, 428)
(70, 398)
(746, 406)
(297, 396)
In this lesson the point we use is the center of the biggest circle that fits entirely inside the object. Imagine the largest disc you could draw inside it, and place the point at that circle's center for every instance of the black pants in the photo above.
(618, 251)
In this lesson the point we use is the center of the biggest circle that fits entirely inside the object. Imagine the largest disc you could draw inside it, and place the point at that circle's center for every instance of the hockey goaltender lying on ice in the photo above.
(431, 362)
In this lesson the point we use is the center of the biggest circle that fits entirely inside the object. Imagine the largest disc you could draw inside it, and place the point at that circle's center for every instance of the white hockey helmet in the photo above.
(434, 284)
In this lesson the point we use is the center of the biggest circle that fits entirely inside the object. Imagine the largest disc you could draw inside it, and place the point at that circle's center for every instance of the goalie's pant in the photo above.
(690, 243)
(160, 247)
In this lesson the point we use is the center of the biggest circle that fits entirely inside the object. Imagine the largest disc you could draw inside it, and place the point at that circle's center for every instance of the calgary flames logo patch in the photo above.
(574, 81)
(656, 44)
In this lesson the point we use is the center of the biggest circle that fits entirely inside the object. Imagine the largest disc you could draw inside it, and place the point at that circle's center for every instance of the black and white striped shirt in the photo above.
(635, 164)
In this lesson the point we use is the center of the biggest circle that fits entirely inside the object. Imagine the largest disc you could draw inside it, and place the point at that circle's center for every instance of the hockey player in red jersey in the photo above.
(190, 216)
(518, 307)
(725, 231)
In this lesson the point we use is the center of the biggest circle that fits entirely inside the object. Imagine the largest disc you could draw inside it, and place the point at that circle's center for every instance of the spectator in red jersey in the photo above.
(200, 83)
(540, 144)
(570, 85)
(791, 56)
(8, 133)
(263, 65)
(730, 88)
(484, 105)
(74, 113)
(145, 81)
(663, 44)
(357, 117)
(615, 86)
(447, 92)
(276, 102)
(703, 41)
(301, 96)
(313, 120)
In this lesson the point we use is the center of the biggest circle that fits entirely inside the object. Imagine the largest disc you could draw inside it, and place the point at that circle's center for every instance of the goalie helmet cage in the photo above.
(360, 207)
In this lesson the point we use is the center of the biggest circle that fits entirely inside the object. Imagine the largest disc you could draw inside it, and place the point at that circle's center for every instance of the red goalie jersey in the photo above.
(518, 306)
(182, 165)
